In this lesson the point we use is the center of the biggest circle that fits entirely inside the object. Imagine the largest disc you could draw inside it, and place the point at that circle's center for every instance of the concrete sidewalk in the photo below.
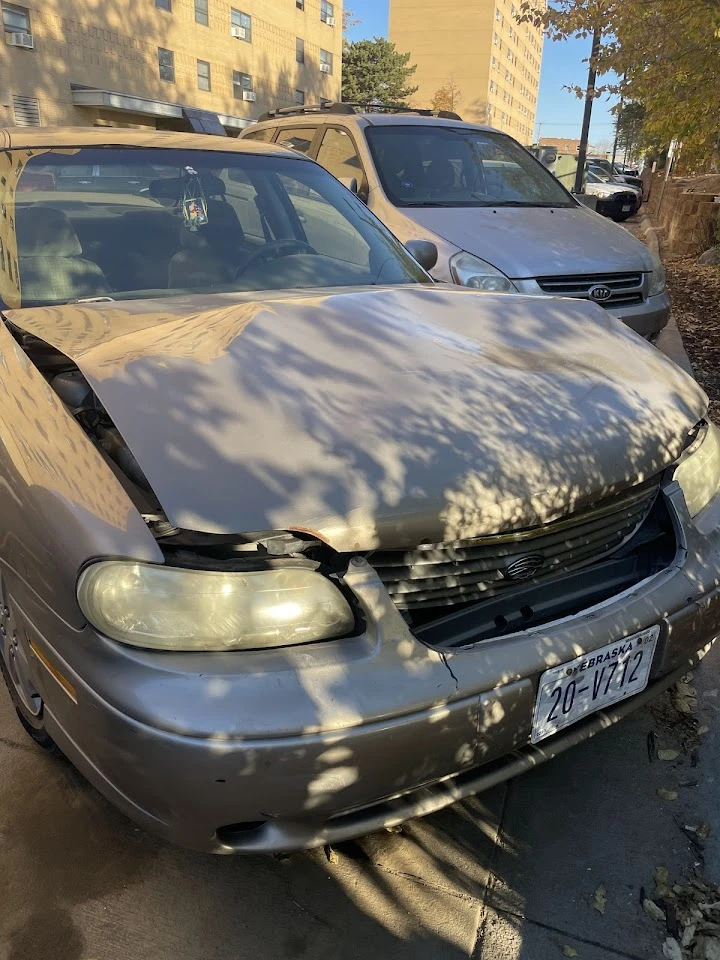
(510, 874)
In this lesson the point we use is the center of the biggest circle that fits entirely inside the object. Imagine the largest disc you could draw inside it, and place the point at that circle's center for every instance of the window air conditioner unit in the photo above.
(24, 40)
(249, 95)
(324, 68)
(239, 32)
(330, 21)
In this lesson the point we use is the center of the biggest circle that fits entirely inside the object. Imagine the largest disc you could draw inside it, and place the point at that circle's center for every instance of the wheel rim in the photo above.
(16, 664)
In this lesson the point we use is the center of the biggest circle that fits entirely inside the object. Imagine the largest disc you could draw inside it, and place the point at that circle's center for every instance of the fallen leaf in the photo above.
(712, 949)
(703, 830)
(672, 950)
(653, 910)
(665, 794)
(569, 951)
(668, 755)
(702, 730)
(661, 876)
(600, 899)
(710, 693)
(688, 934)
(331, 854)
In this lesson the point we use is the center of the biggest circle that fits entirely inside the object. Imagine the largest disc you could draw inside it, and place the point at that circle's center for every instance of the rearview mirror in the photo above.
(350, 182)
(424, 251)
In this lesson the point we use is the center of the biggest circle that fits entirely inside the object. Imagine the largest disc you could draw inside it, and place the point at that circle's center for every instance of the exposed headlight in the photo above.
(473, 272)
(657, 278)
(698, 471)
(172, 608)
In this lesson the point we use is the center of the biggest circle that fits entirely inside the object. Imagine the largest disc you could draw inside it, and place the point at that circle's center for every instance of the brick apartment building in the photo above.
(492, 60)
(91, 62)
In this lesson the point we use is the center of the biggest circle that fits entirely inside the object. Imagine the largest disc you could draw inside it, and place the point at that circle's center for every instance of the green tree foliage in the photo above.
(374, 72)
(666, 51)
(629, 126)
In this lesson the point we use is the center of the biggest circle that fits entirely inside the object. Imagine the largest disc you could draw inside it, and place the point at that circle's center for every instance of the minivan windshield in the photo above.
(134, 223)
(442, 166)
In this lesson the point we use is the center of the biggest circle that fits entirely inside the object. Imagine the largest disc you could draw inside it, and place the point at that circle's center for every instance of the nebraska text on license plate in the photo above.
(571, 691)
(627, 208)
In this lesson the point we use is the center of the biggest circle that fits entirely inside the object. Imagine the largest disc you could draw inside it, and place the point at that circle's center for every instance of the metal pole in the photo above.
(589, 97)
(617, 133)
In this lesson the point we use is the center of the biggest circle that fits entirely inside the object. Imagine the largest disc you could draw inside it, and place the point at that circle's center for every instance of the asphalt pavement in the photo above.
(509, 875)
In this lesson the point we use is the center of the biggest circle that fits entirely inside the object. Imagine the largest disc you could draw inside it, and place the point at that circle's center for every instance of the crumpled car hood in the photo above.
(376, 416)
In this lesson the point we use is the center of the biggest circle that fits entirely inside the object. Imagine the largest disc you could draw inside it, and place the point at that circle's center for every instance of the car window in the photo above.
(326, 229)
(204, 221)
(265, 134)
(296, 138)
(338, 155)
(443, 166)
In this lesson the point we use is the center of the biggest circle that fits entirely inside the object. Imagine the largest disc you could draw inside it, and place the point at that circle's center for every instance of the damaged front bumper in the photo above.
(275, 750)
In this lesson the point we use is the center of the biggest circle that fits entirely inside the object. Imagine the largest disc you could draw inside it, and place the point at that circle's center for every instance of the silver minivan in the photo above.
(500, 221)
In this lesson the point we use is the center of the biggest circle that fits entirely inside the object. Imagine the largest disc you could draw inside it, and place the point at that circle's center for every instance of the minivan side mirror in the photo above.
(424, 251)
(350, 182)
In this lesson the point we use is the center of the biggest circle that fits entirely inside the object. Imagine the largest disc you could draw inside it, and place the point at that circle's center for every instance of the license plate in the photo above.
(571, 691)
(627, 208)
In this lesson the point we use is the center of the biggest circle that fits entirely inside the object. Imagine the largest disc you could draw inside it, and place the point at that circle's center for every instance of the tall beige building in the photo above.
(478, 49)
(138, 62)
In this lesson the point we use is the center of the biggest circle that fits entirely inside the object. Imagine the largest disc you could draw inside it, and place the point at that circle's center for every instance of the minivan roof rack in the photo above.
(328, 106)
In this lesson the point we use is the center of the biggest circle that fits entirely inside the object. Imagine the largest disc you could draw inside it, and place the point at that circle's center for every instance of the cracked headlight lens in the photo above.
(173, 608)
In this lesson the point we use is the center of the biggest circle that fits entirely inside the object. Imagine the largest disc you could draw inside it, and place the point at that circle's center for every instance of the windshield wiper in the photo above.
(425, 203)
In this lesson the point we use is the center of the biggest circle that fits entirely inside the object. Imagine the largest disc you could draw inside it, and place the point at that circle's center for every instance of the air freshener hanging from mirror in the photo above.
(194, 205)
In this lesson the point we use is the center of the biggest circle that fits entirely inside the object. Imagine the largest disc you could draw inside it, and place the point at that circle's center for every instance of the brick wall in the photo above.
(690, 219)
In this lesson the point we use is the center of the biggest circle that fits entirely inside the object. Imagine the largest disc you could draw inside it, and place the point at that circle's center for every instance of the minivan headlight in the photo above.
(473, 272)
(698, 471)
(173, 608)
(657, 278)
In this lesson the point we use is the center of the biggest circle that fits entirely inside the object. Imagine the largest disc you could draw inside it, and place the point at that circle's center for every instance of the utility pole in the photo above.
(589, 97)
(617, 129)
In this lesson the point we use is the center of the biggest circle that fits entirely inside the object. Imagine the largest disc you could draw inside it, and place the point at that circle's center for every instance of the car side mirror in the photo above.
(424, 251)
(350, 182)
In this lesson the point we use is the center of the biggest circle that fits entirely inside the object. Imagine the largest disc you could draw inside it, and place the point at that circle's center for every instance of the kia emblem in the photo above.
(599, 293)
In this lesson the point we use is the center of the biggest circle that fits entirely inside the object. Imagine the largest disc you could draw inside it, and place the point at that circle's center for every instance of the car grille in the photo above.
(626, 287)
(443, 574)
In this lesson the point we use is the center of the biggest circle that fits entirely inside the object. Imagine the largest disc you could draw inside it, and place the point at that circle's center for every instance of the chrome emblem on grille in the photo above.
(600, 293)
(524, 567)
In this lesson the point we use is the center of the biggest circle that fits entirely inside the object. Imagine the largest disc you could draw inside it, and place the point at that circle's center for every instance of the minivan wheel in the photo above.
(26, 700)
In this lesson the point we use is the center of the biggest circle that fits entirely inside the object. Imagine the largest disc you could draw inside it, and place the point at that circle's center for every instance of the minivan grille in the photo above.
(626, 288)
(443, 574)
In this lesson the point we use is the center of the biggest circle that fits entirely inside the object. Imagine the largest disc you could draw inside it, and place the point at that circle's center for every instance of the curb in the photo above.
(670, 340)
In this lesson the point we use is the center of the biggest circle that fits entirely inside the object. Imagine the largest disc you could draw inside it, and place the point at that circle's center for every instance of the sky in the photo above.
(559, 112)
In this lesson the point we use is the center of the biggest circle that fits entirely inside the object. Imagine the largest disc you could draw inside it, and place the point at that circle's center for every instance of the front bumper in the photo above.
(268, 751)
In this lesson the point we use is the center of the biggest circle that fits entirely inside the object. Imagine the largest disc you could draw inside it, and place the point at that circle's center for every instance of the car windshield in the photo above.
(440, 166)
(131, 223)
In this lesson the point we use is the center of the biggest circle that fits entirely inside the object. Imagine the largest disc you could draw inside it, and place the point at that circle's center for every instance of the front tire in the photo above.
(31, 717)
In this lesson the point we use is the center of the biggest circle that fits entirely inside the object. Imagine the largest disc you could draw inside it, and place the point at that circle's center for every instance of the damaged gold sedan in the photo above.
(296, 543)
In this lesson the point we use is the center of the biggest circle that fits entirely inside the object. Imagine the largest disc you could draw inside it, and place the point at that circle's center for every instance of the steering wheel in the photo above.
(273, 250)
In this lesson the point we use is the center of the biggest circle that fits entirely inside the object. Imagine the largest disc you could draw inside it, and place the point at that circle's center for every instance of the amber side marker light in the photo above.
(54, 672)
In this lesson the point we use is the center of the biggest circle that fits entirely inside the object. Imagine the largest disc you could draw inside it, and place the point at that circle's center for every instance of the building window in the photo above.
(242, 83)
(492, 86)
(494, 63)
(203, 74)
(327, 12)
(166, 64)
(299, 97)
(300, 4)
(240, 25)
(164, 5)
(201, 12)
(495, 39)
(326, 61)
(299, 50)
(15, 19)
